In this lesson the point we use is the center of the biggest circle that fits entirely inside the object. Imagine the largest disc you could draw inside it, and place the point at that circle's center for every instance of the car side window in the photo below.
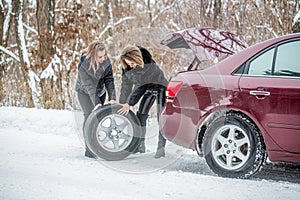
(262, 65)
(287, 60)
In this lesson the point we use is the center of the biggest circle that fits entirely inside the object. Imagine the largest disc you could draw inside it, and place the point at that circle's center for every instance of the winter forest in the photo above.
(41, 40)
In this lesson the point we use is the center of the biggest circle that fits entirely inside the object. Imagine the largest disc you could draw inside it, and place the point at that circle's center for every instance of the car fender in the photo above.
(212, 114)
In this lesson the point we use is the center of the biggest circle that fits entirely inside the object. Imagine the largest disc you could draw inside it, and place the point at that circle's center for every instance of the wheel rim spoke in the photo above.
(116, 144)
(231, 134)
(242, 142)
(113, 121)
(105, 140)
(220, 151)
(123, 125)
(104, 128)
(115, 133)
(124, 136)
(221, 139)
(241, 156)
(229, 161)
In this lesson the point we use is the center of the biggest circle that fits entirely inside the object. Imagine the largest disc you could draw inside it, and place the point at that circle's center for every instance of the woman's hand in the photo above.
(97, 107)
(125, 109)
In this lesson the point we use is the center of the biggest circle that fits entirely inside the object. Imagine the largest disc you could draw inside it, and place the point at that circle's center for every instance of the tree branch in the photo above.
(30, 29)
(114, 24)
(162, 11)
(8, 52)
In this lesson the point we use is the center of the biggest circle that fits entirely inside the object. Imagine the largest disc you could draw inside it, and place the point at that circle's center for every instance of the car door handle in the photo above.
(259, 93)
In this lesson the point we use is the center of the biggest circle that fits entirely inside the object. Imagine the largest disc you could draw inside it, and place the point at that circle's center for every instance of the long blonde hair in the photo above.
(132, 53)
(91, 53)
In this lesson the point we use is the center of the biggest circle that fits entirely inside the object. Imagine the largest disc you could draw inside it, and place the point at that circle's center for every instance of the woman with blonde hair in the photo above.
(94, 78)
(142, 78)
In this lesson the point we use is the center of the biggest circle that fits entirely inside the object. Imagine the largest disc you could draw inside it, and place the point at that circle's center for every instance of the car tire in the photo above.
(111, 136)
(233, 146)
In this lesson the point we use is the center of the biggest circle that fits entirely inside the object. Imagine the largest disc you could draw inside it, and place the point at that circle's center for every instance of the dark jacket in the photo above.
(135, 82)
(95, 84)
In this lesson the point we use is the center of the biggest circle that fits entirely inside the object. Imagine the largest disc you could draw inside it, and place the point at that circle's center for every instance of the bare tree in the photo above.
(217, 4)
(110, 25)
(45, 23)
(5, 21)
(5, 24)
(2, 17)
(17, 9)
(50, 81)
(57, 31)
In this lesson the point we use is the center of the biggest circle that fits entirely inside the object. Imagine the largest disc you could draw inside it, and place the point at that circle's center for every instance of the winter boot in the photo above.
(143, 122)
(160, 152)
(88, 153)
(142, 147)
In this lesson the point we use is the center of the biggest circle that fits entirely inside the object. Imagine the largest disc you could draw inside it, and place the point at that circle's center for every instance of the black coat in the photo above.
(135, 82)
(95, 84)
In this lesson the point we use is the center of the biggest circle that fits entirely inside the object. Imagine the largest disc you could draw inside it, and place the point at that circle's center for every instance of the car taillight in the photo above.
(173, 88)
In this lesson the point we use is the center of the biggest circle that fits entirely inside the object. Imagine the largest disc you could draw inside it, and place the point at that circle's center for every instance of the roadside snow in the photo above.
(41, 157)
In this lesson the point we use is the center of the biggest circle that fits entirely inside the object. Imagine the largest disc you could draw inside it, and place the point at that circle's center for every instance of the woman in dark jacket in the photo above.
(142, 78)
(95, 77)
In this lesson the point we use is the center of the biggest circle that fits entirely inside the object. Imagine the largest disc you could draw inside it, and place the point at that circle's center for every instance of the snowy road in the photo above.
(41, 157)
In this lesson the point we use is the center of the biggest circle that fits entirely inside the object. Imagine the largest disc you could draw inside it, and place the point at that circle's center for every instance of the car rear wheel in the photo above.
(112, 136)
(233, 146)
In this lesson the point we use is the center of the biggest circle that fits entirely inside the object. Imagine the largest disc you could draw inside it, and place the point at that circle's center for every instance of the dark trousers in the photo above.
(143, 112)
(87, 107)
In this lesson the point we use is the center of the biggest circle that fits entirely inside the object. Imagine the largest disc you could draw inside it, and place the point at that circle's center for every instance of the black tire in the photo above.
(233, 147)
(112, 136)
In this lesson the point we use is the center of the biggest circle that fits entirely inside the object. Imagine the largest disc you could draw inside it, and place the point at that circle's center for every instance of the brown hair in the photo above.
(91, 52)
(133, 54)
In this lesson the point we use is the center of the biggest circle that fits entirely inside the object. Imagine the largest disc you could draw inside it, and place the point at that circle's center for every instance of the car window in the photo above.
(262, 65)
(287, 60)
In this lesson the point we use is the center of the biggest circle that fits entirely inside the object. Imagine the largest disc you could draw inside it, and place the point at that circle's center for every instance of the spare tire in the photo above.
(112, 136)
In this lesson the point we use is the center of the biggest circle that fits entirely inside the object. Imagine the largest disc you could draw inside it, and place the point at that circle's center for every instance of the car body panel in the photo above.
(184, 112)
(279, 112)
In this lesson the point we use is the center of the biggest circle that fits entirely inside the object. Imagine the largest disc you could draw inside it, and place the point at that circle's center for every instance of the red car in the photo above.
(241, 110)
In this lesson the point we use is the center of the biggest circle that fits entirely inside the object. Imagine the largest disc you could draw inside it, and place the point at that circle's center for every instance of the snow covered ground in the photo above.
(41, 158)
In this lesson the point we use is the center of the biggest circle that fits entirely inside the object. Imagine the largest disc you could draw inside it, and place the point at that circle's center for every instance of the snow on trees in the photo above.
(41, 40)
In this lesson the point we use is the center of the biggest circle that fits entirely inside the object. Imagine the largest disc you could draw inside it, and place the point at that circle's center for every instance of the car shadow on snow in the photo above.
(183, 160)
(190, 163)
(280, 172)
(289, 172)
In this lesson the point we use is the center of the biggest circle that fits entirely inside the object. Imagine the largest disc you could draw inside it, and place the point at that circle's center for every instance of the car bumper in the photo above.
(179, 125)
